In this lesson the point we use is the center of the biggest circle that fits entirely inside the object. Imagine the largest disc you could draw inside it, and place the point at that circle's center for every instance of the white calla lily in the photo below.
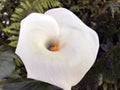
(57, 47)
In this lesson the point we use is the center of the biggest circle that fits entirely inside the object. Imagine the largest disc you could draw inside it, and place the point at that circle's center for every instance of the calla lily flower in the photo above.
(57, 47)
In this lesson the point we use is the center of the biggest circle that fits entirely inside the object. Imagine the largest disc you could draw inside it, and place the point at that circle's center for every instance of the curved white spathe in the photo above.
(78, 47)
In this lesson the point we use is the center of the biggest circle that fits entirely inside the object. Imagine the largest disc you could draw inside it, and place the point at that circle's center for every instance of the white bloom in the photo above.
(76, 46)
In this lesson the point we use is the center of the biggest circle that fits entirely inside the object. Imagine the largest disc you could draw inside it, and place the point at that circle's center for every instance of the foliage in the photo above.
(10, 64)
(21, 12)
(6, 63)
(101, 15)
(26, 84)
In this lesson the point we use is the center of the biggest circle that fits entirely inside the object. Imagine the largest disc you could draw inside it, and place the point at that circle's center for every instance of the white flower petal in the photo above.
(77, 52)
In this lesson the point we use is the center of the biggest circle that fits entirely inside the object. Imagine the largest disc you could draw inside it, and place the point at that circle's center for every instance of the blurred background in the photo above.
(101, 15)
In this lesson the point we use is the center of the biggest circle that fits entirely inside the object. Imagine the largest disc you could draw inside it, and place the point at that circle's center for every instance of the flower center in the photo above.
(54, 47)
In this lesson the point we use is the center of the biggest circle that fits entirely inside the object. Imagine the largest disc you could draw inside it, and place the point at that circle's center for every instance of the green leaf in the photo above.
(110, 65)
(114, 7)
(118, 1)
(75, 8)
(6, 62)
(12, 31)
(12, 38)
(11, 65)
(13, 43)
(105, 86)
(26, 84)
